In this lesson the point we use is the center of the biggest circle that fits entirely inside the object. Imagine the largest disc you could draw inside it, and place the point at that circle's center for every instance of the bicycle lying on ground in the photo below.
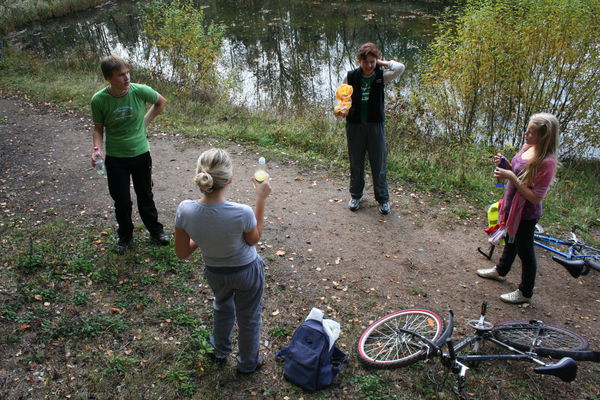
(573, 254)
(405, 337)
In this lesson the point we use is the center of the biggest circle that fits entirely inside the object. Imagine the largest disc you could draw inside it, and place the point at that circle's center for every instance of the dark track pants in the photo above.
(363, 138)
(118, 171)
(523, 246)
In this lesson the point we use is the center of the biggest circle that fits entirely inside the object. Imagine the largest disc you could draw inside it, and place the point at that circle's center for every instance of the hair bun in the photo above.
(204, 180)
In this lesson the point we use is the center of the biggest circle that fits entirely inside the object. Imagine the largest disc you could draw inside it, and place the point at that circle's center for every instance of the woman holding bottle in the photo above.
(529, 176)
(226, 233)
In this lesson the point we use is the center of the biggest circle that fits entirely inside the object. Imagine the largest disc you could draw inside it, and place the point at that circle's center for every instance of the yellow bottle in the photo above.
(261, 171)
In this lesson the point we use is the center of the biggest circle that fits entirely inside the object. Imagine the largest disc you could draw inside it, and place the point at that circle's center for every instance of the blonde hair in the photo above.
(213, 170)
(547, 127)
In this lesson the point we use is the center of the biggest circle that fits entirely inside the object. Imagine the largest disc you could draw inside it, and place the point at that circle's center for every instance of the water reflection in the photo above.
(277, 53)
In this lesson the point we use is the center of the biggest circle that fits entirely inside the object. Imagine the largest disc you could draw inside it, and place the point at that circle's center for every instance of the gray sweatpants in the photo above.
(238, 296)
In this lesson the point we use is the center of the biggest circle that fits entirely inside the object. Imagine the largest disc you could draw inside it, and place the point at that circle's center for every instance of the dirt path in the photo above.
(402, 260)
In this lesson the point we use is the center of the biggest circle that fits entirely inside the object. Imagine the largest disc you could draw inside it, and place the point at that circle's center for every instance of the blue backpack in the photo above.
(309, 363)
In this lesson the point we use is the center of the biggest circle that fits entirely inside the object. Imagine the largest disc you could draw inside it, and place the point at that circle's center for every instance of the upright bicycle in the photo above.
(405, 337)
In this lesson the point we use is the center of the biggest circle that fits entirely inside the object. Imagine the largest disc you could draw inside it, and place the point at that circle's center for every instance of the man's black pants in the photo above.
(118, 171)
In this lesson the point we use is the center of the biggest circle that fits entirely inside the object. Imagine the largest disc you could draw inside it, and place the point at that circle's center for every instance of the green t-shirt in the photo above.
(123, 119)
(365, 90)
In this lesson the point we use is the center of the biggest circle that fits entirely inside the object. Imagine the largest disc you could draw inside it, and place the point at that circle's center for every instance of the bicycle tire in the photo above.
(594, 260)
(382, 345)
(553, 342)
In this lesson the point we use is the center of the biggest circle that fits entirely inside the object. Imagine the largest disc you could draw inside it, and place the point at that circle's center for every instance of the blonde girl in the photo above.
(529, 176)
(226, 233)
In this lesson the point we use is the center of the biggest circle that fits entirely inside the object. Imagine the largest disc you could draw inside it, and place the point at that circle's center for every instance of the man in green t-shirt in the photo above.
(119, 113)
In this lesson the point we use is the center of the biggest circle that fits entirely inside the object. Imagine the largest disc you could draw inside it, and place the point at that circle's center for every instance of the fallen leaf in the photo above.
(24, 327)
(280, 253)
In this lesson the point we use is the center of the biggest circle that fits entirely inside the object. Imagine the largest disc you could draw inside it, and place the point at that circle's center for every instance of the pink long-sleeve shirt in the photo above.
(541, 183)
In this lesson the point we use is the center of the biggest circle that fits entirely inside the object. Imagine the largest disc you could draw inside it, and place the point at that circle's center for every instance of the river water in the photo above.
(277, 54)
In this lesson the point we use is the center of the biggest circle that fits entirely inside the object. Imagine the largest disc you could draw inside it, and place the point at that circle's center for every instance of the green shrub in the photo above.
(187, 46)
(496, 62)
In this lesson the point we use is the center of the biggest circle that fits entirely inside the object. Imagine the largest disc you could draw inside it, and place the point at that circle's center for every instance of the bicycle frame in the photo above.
(576, 264)
(565, 369)
(538, 239)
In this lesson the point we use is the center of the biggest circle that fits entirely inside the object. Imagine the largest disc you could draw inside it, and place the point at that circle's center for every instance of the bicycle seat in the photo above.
(565, 369)
(575, 267)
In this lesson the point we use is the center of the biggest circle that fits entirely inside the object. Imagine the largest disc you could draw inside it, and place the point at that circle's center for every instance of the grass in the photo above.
(108, 331)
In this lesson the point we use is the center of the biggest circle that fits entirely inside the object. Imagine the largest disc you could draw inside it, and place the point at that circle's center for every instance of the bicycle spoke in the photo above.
(394, 340)
(387, 342)
(528, 336)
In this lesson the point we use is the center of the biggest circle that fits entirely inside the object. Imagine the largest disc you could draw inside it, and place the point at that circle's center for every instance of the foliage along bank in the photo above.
(18, 13)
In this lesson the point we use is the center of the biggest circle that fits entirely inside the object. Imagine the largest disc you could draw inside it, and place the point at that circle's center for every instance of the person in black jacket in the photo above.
(364, 124)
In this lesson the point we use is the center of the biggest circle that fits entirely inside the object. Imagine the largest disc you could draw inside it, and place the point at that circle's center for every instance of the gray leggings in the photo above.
(238, 295)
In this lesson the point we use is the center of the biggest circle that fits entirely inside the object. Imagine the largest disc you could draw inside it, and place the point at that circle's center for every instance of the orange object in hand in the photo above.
(344, 94)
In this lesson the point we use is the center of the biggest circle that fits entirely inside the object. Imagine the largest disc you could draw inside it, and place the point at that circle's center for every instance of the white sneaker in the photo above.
(515, 297)
(490, 273)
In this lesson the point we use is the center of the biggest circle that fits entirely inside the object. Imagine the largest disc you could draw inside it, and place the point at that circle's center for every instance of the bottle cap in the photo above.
(261, 161)
(96, 148)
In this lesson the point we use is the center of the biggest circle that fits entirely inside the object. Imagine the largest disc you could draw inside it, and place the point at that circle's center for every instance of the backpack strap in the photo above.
(281, 354)
(338, 360)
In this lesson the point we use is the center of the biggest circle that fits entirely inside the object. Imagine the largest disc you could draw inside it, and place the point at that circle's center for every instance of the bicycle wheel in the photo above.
(593, 260)
(382, 344)
(545, 340)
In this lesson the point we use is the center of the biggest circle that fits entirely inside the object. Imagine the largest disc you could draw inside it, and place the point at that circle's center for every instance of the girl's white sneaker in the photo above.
(515, 297)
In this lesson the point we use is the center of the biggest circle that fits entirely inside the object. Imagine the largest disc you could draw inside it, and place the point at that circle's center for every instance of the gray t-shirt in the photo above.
(218, 231)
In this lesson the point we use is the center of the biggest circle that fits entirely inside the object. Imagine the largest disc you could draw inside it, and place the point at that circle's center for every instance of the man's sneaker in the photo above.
(354, 204)
(122, 246)
(515, 297)
(384, 208)
(161, 239)
(490, 273)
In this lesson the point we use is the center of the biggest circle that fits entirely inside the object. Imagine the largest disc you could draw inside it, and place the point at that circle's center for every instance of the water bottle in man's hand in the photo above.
(98, 161)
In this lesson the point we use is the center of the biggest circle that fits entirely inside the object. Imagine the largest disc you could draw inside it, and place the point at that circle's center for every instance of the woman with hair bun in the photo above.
(226, 233)
(529, 176)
